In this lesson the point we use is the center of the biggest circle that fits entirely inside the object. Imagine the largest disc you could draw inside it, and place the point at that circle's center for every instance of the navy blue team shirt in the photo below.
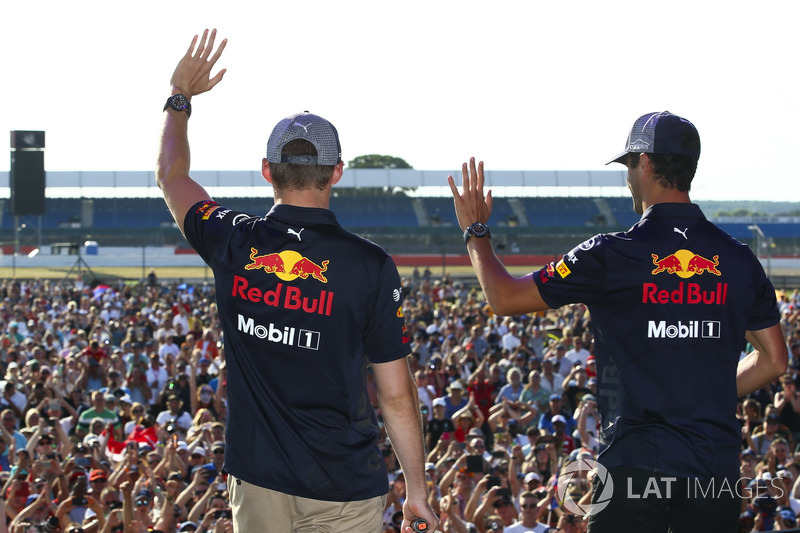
(670, 302)
(304, 306)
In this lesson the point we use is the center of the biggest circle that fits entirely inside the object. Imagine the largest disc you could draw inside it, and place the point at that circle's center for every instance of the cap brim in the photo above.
(621, 159)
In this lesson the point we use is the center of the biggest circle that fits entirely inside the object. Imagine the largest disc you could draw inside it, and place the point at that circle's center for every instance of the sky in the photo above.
(521, 85)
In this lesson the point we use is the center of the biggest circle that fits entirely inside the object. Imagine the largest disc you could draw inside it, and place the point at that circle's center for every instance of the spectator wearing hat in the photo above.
(217, 454)
(591, 367)
(98, 481)
(564, 441)
(142, 507)
(761, 441)
(467, 418)
(556, 408)
(175, 417)
(454, 399)
(202, 369)
(438, 426)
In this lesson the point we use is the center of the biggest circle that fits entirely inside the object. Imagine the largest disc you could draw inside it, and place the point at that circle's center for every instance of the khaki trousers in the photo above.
(256, 509)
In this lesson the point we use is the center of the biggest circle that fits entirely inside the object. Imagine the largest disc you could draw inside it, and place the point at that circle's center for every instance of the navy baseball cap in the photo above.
(312, 128)
(661, 133)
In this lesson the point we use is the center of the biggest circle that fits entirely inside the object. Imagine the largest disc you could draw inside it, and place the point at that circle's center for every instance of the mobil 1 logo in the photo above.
(691, 329)
(302, 338)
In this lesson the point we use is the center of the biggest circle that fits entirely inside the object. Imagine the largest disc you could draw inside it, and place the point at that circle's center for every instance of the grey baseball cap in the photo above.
(661, 133)
(312, 128)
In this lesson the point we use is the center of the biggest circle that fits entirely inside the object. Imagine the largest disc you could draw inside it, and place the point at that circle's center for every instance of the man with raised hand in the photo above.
(306, 309)
(672, 301)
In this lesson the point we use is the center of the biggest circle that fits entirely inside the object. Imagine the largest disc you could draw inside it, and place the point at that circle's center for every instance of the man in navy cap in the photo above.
(673, 292)
(305, 307)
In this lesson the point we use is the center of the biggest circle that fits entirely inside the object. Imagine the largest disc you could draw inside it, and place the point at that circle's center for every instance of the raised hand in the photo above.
(193, 74)
(471, 204)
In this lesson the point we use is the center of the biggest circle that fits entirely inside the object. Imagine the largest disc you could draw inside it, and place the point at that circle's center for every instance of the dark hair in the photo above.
(674, 171)
(298, 177)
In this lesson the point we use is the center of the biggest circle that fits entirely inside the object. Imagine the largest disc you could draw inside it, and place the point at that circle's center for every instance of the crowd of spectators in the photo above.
(510, 403)
(113, 408)
(113, 412)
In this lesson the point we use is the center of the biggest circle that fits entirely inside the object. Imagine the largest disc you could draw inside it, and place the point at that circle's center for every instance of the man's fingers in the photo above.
(216, 79)
(201, 47)
(210, 46)
(479, 177)
(465, 179)
(192, 46)
(453, 188)
(218, 52)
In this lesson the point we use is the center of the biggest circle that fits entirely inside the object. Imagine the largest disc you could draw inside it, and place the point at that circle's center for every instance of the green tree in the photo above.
(378, 161)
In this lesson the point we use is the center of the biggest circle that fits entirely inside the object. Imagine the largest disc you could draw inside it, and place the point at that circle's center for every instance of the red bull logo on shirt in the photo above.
(685, 264)
(288, 265)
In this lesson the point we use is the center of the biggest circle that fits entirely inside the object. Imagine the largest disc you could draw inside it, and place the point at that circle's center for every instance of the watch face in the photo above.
(178, 102)
(479, 229)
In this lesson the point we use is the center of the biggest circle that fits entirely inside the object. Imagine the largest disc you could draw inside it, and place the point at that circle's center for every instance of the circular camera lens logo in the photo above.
(577, 469)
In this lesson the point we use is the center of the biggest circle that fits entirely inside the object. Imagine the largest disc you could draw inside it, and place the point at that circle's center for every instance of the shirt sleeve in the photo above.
(764, 313)
(579, 276)
(386, 336)
(207, 225)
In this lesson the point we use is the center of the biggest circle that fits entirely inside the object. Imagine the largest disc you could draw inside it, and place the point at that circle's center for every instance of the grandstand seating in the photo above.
(383, 217)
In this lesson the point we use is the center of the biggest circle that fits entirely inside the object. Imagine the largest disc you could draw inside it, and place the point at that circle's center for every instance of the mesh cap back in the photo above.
(312, 128)
(661, 133)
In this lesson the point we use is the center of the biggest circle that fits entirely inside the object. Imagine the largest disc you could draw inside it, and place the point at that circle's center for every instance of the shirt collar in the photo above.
(673, 210)
(292, 214)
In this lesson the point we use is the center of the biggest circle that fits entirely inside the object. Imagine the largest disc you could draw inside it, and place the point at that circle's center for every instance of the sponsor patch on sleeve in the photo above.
(562, 269)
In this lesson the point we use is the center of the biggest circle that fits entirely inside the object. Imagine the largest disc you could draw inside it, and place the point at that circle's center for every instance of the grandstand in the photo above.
(406, 211)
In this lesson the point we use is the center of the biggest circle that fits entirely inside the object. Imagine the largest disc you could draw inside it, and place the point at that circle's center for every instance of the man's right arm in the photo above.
(506, 294)
(191, 77)
(399, 404)
(765, 363)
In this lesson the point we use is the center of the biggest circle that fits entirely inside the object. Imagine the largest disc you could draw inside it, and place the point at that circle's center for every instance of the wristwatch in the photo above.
(477, 230)
(179, 102)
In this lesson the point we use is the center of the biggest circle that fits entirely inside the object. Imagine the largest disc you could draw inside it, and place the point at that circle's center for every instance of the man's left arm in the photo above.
(191, 77)
(399, 404)
(764, 364)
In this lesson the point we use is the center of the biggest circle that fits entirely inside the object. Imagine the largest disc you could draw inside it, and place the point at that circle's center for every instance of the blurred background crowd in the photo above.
(113, 412)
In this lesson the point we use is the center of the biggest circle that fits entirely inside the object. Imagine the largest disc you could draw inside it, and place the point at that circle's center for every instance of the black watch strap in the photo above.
(179, 102)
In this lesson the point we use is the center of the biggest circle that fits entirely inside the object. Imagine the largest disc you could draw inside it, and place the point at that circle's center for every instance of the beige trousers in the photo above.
(256, 509)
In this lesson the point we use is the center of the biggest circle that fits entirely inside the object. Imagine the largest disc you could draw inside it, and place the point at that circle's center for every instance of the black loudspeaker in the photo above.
(27, 176)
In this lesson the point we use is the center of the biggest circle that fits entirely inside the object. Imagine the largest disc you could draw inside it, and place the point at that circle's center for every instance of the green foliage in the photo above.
(378, 161)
